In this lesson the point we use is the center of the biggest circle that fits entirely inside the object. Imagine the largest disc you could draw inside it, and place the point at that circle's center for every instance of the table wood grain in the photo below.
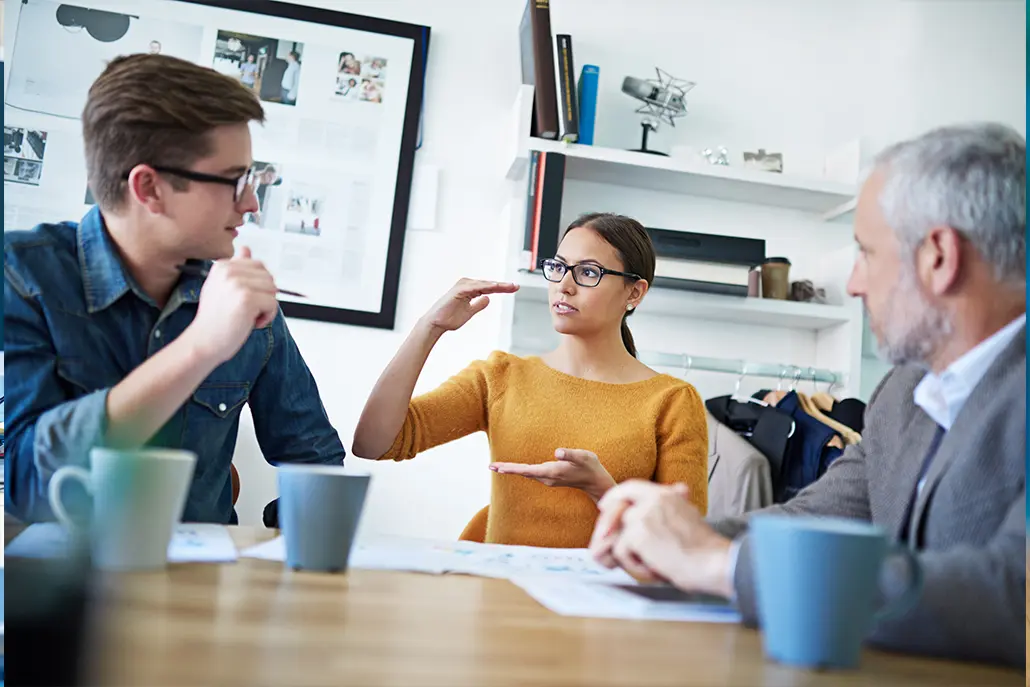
(254, 623)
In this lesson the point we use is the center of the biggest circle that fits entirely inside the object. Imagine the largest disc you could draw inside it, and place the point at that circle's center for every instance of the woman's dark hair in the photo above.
(633, 244)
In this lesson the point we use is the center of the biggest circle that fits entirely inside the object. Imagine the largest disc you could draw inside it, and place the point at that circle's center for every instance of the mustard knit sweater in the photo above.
(653, 429)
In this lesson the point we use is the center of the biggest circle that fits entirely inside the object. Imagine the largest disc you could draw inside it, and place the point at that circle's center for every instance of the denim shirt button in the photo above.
(157, 333)
(221, 407)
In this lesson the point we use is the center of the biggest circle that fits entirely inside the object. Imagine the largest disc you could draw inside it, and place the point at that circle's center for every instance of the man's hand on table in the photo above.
(656, 534)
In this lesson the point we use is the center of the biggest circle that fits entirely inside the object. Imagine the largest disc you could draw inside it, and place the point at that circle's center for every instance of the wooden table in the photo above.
(253, 623)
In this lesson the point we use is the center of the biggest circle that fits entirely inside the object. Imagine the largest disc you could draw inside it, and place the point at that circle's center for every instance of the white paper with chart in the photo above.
(583, 598)
(190, 543)
(470, 558)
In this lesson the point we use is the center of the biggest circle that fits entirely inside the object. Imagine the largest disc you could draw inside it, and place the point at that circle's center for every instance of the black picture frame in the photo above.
(386, 316)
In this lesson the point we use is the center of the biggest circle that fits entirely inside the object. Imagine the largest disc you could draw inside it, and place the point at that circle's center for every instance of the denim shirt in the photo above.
(76, 324)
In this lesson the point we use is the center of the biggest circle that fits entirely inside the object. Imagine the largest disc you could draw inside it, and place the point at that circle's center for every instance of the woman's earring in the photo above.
(629, 306)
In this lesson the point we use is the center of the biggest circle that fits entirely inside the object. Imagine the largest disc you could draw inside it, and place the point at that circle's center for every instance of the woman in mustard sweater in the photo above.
(563, 427)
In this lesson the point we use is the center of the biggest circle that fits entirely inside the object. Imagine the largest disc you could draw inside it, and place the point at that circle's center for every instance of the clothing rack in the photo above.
(786, 373)
(688, 363)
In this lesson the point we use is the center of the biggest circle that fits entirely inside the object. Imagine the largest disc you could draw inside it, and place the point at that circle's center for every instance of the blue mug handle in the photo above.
(905, 601)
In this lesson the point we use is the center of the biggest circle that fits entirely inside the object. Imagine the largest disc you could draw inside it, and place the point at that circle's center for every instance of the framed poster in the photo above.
(342, 95)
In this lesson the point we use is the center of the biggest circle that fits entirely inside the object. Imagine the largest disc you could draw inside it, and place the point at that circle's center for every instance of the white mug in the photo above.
(138, 498)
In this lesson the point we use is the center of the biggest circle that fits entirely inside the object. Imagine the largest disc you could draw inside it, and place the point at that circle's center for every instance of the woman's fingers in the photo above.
(539, 470)
(471, 288)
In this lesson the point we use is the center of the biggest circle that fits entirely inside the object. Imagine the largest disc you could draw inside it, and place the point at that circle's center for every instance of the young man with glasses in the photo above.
(110, 342)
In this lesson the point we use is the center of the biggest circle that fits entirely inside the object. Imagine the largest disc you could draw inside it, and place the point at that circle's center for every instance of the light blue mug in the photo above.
(319, 510)
(817, 585)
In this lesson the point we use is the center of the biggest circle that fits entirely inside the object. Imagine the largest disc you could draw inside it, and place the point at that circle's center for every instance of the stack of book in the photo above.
(708, 263)
(543, 208)
(547, 65)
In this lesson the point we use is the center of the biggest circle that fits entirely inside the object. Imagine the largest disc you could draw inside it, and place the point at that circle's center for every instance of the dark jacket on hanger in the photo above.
(850, 413)
(767, 429)
(808, 458)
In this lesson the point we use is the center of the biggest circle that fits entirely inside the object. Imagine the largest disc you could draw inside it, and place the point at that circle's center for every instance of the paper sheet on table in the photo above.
(587, 599)
(201, 543)
(367, 556)
(470, 558)
(191, 543)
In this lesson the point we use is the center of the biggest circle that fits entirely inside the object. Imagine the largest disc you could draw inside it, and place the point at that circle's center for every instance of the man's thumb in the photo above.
(244, 253)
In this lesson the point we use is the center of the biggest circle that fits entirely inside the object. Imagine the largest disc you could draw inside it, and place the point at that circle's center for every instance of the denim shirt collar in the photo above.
(104, 277)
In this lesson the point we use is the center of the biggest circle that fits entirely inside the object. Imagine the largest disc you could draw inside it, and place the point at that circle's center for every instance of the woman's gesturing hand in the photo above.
(465, 299)
(574, 467)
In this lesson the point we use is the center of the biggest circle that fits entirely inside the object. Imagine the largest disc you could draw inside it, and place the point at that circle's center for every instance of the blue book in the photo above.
(587, 88)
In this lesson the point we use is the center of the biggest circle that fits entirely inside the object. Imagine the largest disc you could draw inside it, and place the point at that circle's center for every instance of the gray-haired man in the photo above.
(941, 229)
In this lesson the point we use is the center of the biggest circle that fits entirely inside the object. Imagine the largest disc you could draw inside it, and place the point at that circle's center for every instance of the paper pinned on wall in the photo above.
(425, 189)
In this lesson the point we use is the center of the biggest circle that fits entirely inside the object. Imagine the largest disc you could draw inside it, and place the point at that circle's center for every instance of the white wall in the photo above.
(472, 77)
(795, 76)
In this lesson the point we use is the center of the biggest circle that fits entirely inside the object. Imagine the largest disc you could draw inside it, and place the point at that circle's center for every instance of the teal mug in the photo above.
(817, 586)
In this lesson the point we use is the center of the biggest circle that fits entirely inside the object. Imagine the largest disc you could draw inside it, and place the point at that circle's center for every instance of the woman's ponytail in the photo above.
(627, 337)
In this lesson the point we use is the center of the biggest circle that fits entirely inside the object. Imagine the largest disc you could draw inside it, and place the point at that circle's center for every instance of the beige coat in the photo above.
(739, 478)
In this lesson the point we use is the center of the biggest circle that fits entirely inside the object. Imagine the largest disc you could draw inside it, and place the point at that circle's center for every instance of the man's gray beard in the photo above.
(913, 329)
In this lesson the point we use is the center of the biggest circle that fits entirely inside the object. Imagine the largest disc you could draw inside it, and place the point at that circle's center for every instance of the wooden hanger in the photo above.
(823, 401)
(849, 435)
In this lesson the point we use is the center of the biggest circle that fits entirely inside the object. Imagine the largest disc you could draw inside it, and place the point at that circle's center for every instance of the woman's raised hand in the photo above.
(465, 299)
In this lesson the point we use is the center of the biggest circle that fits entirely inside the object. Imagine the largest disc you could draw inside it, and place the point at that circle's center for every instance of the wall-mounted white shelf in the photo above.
(703, 306)
(672, 175)
(825, 337)
(841, 212)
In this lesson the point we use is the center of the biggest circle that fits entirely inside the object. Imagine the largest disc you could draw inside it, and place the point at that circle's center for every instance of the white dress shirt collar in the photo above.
(942, 395)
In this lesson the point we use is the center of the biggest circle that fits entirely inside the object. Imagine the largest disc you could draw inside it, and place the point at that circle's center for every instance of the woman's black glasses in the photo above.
(585, 274)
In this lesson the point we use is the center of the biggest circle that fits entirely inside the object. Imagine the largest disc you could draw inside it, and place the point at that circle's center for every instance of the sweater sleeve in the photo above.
(682, 441)
(455, 409)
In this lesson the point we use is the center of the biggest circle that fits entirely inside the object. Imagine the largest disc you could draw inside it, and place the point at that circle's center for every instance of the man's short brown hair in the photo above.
(157, 110)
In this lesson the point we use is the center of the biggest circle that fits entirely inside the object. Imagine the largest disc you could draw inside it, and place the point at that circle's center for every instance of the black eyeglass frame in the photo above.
(572, 268)
(239, 183)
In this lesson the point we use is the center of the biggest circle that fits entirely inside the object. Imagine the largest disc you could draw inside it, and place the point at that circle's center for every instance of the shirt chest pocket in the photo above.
(218, 401)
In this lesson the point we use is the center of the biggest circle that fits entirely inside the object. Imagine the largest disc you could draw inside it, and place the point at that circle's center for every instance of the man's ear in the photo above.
(146, 188)
(939, 259)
